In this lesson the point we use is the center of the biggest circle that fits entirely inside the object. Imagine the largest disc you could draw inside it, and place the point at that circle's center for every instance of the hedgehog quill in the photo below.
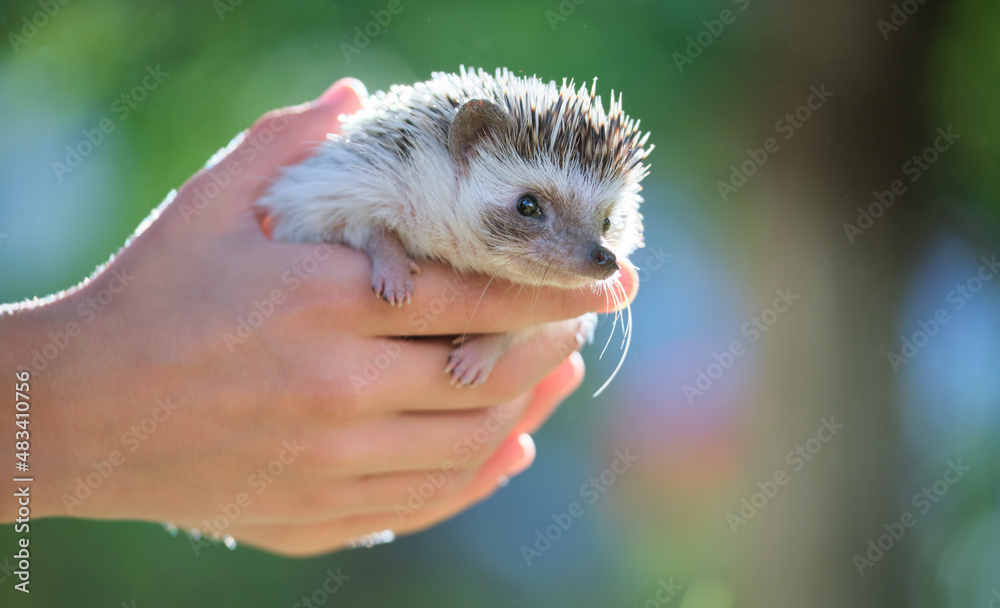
(508, 176)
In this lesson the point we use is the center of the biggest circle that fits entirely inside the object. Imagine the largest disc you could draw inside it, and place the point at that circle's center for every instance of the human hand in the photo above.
(241, 386)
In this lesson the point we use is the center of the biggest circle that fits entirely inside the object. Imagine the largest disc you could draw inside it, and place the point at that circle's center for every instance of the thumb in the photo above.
(222, 195)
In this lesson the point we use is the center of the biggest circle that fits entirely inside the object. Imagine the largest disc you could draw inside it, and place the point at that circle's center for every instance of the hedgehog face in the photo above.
(550, 225)
(551, 182)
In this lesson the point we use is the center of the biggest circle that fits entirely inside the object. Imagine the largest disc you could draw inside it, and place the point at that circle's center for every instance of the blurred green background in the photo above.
(712, 87)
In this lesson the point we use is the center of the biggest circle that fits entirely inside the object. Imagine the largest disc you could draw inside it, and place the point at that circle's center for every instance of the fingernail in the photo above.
(630, 280)
(528, 445)
(342, 87)
(332, 94)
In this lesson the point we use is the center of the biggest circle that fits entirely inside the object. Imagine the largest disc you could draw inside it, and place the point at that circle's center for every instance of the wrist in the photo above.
(41, 344)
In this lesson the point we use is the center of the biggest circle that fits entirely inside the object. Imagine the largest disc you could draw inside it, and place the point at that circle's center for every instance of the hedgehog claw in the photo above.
(393, 284)
(471, 363)
(392, 269)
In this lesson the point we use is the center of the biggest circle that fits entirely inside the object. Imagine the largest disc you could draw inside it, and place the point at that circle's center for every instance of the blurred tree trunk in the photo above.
(827, 358)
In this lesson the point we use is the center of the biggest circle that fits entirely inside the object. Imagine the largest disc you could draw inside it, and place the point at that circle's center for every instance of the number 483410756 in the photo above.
(22, 390)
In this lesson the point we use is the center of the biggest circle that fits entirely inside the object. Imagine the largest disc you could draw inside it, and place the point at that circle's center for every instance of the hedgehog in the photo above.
(510, 176)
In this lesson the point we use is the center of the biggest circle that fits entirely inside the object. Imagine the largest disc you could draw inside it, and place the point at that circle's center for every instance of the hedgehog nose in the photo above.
(604, 259)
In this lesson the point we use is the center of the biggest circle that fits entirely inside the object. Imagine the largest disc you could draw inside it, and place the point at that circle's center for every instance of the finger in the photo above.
(354, 496)
(422, 363)
(280, 138)
(415, 442)
(550, 393)
(513, 456)
(444, 302)
(309, 539)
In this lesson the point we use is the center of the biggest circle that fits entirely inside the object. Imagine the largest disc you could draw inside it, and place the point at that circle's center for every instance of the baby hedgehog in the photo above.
(512, 177)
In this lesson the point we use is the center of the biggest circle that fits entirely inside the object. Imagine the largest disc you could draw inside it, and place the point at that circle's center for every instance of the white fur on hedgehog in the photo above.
(391, 168)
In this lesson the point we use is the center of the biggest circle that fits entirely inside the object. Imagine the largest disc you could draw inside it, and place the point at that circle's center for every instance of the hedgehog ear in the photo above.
(476, 120)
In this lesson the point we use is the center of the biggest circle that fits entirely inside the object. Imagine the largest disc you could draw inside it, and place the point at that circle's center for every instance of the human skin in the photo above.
(159, 384)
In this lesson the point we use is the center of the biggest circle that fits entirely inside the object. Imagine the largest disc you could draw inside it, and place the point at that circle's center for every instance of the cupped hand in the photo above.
(245, 387)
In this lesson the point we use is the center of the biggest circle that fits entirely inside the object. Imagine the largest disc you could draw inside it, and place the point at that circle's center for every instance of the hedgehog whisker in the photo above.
(520, 288)
(619, 317)
(619, 285)
(628, 340)
(601, 287)
(474, 310)
(614, 320)
(538, 291)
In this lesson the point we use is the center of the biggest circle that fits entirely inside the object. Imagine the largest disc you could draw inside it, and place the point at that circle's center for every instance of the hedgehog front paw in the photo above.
(394, 282)
(391, 267)
(471, 363)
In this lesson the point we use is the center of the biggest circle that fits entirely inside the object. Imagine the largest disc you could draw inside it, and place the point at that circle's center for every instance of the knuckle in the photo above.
(332, 499)
(501, 388)
(452, 486)
(309, 504)
(348, 405)
(340, 453)
(485, 450)
(317, 299)
(508, 382)
(330, 400)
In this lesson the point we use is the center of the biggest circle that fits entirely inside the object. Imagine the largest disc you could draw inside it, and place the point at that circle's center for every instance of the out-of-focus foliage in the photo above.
(963, 57)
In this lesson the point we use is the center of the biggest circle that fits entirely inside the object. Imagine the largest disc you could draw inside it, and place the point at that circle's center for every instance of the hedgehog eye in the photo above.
(528, 206)
(606, 225)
